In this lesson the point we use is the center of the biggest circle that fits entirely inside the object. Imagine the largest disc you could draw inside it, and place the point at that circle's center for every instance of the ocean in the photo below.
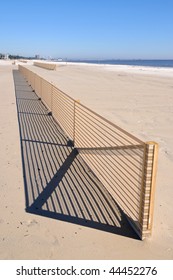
(134, 62)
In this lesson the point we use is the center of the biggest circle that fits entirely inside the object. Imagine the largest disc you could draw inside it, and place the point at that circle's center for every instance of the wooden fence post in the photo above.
(148, 188)
(51, 106)
(41, 86)
(34, 82)
(74, 120)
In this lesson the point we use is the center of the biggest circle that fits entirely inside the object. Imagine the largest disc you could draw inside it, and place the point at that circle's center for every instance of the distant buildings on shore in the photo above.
(37, 57)
(4, 56)
(10, 56)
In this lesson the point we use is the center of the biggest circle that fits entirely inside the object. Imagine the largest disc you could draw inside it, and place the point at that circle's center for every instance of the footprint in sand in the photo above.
(31, 223)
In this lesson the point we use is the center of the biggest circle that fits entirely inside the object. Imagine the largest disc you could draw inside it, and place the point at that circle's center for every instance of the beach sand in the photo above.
(137, 99)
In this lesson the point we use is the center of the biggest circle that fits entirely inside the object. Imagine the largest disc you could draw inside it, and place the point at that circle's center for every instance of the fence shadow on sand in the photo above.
(58, 183)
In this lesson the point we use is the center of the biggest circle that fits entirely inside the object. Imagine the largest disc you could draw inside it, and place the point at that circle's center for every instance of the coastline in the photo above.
(139, 102)
(138, 70)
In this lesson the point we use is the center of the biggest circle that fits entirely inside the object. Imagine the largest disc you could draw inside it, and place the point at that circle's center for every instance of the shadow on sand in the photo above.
(58, 183)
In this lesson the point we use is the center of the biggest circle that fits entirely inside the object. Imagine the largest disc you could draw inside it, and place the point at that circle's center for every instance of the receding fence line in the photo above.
(123, 163)
(49, 66)
(23, 60)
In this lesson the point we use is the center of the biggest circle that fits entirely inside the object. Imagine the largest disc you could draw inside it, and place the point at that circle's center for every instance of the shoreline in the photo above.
(131, 68)
(146, 70)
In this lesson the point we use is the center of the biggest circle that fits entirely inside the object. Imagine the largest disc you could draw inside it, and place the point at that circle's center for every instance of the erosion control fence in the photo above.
(49, 66)
(123, 163)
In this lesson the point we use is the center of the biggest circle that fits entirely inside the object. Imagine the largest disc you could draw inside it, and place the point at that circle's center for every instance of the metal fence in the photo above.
(123, 163)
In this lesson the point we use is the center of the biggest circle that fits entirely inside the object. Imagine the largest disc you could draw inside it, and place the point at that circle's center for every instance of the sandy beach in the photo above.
(138, 99)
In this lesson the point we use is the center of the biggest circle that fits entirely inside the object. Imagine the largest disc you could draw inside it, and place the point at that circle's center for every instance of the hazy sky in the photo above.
(87, 29)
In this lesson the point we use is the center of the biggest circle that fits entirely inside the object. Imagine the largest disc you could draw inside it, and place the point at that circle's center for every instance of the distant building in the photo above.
(4, 56)
(37, 56)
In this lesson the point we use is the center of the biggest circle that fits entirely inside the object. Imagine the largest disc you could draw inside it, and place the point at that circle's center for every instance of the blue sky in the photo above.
(88, 29)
